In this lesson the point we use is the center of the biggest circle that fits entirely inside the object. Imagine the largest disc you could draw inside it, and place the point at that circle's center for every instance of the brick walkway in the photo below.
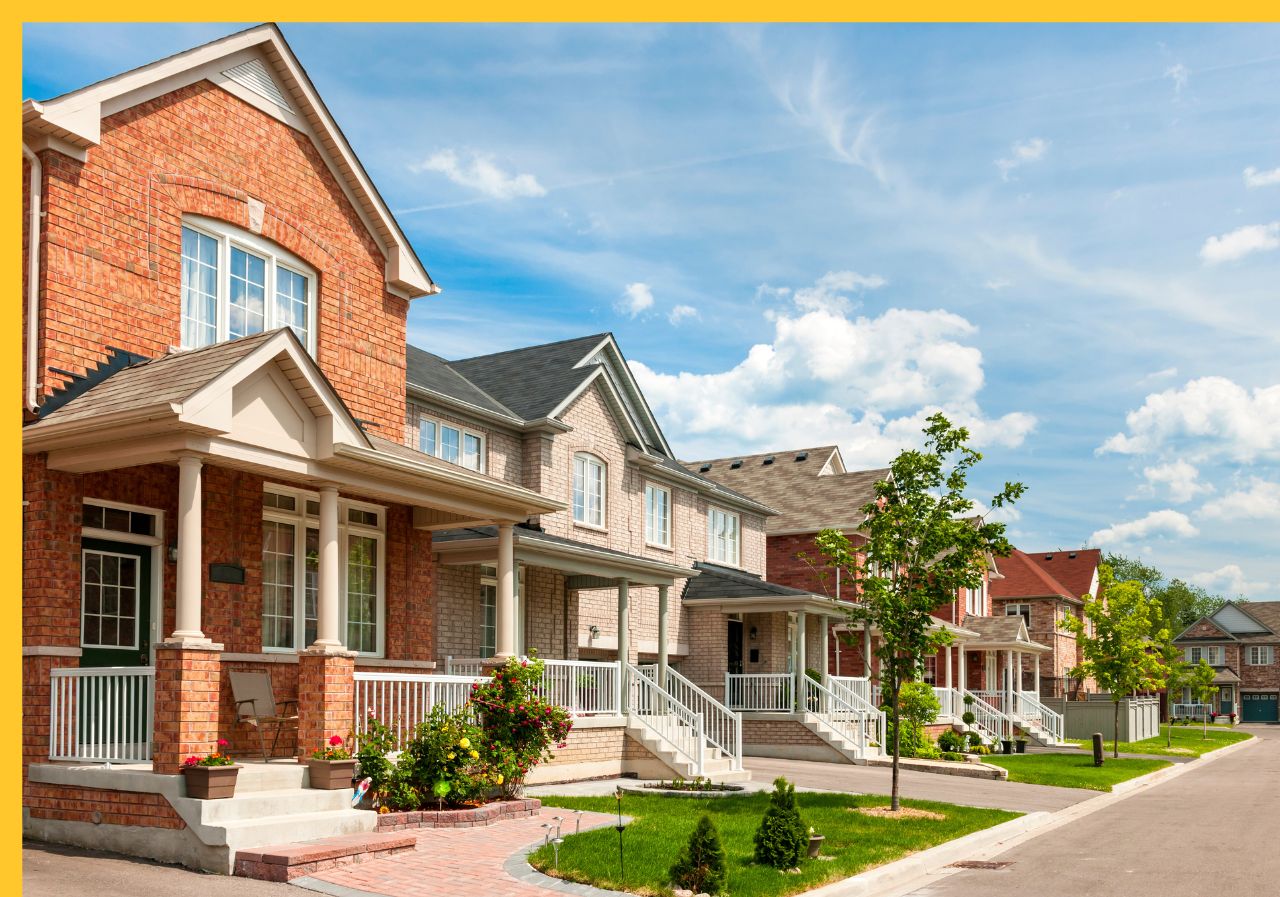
(462, 861)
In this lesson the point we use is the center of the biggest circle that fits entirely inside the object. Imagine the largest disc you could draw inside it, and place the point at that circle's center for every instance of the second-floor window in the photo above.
(722, 537)
(1019, 610)
(1212, 655)
(588, 489)
(451, 443)
(235, 284)
(975, 601)
(657, 515)
(1261, 655)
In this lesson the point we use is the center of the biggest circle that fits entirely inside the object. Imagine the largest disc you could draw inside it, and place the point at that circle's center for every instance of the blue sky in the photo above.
(1067, 237)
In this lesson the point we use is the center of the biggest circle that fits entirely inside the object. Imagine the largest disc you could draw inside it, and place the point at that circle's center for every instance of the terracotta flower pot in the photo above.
(210, 782)
(815, 845)
(331, 775)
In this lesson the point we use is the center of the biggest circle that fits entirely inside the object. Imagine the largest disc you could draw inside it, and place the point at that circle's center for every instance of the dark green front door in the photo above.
(115, 604)
(1260, 708)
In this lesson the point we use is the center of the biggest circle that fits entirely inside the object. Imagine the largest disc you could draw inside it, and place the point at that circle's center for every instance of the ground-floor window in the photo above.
(489, 613)
(291, 571)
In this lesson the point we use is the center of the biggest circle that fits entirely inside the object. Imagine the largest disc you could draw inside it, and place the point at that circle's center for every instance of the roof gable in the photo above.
(1205, 629)
(257, 66)
(1238, 620)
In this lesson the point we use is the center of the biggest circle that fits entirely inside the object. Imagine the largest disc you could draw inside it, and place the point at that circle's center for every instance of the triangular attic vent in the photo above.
(254, 76)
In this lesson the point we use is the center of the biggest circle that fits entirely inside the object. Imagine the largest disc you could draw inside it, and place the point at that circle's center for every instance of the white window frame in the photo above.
(716, 543)
(654, 489)
(275, 256)
(488, 634)
(1208, 652)
(598, 520)
(302, 521)
(1016, 610)
(1260, 656)
(975, 601)
(437, 450)
(137, 602)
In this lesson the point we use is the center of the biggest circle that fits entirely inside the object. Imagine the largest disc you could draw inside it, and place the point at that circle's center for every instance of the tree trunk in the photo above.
(897, 749)
(1168, 732)
(1115, 733)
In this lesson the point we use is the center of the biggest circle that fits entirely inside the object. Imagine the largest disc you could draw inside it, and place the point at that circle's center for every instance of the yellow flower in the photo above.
(450, 757)
(464, 743)
(498, 780)
(475, 755)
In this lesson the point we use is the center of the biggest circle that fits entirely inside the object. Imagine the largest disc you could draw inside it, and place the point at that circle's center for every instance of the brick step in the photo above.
(289, 861)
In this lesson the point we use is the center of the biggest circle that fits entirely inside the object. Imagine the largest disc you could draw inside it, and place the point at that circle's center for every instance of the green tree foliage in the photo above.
(1200, 681)
(1120, 639)
(781, 838)
(917, 707)
(701, 867)
(1180, 602)
(922, 545)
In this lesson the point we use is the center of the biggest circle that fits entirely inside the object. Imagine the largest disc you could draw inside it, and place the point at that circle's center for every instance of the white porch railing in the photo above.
(101, 714)
(723, 727)
(1029, 708)
(403, 700)
(1192, 711)
(760, 692)
(465, 666)
(863, 687)
(855, 724)
(587, 687)
(671, 721)
(839, 686)
(949, 702)
(990, 721)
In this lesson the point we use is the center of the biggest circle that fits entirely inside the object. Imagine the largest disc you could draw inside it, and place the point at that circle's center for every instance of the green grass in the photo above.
(1074, 770)
(661, 826)
(1188, 741)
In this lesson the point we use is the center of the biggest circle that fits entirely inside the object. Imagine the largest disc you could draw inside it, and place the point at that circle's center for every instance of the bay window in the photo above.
(236, 284)
(657, 515)
(291, 572)
(722, 537)
(588, 489)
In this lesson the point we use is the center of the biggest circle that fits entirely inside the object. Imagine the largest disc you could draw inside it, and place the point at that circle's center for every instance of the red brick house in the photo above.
(1241, 641)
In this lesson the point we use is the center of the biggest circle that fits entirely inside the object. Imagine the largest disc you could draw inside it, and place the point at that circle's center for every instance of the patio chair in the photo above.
(256, 705)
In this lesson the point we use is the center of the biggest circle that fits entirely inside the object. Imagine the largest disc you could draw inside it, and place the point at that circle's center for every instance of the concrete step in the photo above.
(277, 776)
(289, 828)
(286, 862)
(257, 804)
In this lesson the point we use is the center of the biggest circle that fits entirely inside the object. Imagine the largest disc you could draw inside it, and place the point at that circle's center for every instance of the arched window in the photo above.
(588, 489)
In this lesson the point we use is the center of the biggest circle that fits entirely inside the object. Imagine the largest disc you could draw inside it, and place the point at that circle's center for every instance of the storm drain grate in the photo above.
(980, 864)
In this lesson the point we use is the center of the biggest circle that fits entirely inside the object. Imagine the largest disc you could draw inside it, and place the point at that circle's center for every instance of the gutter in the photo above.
(33, 277)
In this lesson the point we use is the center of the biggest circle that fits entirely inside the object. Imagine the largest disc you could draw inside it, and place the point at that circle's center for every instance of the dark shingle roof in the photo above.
(431, 372)
(805, 499)
(725, 582)
(534, 380)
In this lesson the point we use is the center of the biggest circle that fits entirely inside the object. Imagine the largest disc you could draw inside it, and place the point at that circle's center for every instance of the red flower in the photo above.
(222, 742)
(191, 761)
(335, 740)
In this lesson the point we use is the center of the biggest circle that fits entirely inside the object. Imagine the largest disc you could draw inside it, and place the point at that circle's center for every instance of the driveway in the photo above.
(1211, 830)
(919, 785)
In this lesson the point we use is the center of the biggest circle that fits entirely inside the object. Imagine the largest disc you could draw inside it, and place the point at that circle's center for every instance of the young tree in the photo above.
(922, 545)
(781, 838)
(701, 867)
(1202, 688)
(1176, 675)
(1119, 638)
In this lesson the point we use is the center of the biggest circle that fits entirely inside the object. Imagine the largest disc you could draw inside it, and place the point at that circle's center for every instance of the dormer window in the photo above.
(588, 490)
(237, 284)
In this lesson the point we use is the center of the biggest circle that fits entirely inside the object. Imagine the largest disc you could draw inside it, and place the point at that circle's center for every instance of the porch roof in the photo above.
(936, 623)
(1226, 676)
(737, 590)
(1003, 633)
(595, 566)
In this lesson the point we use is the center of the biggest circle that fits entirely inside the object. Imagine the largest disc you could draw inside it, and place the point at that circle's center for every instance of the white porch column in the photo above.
(1008, 682)
(866, 652)
(190, 552)
(505, 625)
(662, 636)
(964, 675)
(328, 626)
(826, 649)
(624, 640)
(801, 660)
(950, 683)
(1037, 672)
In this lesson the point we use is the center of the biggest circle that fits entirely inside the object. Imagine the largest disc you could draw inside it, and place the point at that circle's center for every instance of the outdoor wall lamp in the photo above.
(593, 631)
(752, 633)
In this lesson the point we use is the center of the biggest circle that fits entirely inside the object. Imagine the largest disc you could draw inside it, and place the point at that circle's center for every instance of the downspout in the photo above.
(33, 276)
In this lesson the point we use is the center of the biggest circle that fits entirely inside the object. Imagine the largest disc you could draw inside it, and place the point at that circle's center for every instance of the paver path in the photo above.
(1017, 796)
(457, 861)
(1211, 830)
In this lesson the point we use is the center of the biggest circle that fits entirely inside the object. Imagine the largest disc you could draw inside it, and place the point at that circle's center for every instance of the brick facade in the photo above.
(326, 699)
(188, 684)
(100, 806)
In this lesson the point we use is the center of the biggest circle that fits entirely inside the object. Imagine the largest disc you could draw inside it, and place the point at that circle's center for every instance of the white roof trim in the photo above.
(74, 121)
(630, 384)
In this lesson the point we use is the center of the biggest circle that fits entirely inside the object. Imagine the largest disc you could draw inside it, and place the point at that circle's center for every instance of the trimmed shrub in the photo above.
(782, 839)
(952, 740)
(701, 867)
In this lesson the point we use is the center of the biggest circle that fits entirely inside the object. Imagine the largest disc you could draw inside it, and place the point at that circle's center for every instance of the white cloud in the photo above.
(828, 294)
(481, 174)
(1179, 478)
(1255, 178)
(1162, 374)
(1261, 501)
(681, 313)
(1227, 580)
(996, 284)
(1208, 417)
(866, 383)
(636, 299)
(1241, 242)
(1179, 74)
(1164, 523)
(1021, 153)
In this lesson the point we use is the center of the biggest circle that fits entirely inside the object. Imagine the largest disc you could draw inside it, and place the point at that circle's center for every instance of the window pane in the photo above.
(199, 289)
(362, 598)
(580, 489)
(311, 585)
(471, 451)
(488, 628)
(449, 444)
(248, 290)
(291, 303)
(93, 516)
(427, 436)
(278, 553)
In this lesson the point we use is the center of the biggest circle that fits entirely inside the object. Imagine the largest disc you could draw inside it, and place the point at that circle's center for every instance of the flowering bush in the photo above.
(217, 758)
(442, 760)
(336, 749)
(520, 726)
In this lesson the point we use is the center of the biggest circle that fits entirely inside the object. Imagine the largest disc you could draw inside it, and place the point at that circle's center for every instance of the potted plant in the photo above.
(211, 777)
(1020, 744)
(1007, 745)
(815, 843)
(331, 767)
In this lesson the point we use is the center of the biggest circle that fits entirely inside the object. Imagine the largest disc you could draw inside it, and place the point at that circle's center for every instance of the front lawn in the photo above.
(661, 826)
(1188, 741)
(1074, 770)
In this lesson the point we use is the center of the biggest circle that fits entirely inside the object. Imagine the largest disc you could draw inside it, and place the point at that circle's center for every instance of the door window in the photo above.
(110, 587)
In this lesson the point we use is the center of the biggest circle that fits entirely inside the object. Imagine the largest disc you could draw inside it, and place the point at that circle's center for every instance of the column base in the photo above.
(187, 691)
(326, 697)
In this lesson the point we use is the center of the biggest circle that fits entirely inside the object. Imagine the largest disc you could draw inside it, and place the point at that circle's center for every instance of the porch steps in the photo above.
(843, 746)
(286, 862)
(716, 767)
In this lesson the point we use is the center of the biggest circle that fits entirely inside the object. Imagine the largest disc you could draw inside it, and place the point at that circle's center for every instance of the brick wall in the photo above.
(112, 238)
(99, 805)
(778, 732)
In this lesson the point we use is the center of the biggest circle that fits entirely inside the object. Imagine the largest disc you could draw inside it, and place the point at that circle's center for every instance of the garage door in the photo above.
(1260, 708)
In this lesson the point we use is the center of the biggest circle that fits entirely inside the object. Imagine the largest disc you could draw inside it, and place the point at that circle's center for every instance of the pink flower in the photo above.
(222, 742)
(335, 740)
